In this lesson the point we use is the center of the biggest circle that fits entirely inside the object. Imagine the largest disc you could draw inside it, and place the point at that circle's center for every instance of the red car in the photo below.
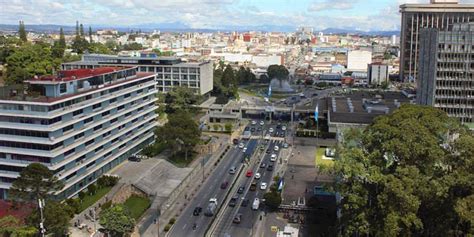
(224, 184)
(249, 173)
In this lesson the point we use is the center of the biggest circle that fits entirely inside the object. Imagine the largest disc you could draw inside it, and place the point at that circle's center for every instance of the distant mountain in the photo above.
(183, 27)
(352, 31)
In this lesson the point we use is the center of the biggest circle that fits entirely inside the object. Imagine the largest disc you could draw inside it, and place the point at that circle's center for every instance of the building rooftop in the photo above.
(75, 74)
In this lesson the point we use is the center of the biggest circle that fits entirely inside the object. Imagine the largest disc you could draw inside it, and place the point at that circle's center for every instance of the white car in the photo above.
(263, 186)
(276, 148)
(262, 123)
(285, 145)
(273, 157)
(254, 122)
(241, 145)
(270, 130)
(258, 175)
(283, 128)
(267, 137)
(244, 150)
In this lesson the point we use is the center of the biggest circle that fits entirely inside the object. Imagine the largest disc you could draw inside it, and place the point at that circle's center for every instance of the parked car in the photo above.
(270, 168)
(285, 145)
(197, 211)
(224, 184)
(270, 130)
(252, 130)
(244, 150)
(276, 148)
(241, 145)
(134, 159)
(262, 123)
(263, 165)
(254, 122)
(283, 128)
(273, 157)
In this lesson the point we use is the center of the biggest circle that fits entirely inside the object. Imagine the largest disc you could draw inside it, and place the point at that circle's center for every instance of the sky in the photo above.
(362, 15)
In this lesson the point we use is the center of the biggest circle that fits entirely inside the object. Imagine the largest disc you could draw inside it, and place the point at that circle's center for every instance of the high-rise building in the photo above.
(170, 71)
(80, 124)
(446, 70)
(439, 14)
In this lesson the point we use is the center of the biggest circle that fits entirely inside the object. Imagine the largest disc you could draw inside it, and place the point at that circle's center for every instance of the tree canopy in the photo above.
(22, 31)
(180, 133)
(56, 218)
(408, 173)
(35, 181)
(116, 220)
(277, 71)
(181, 98)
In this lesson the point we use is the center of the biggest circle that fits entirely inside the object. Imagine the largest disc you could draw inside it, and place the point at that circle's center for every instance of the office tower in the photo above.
(446, 72)
(439, 14)
(80, 124)
(170, 71)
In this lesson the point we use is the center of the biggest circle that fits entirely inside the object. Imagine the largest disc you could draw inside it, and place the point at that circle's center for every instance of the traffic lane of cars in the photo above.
(187, 219)
(249, 216)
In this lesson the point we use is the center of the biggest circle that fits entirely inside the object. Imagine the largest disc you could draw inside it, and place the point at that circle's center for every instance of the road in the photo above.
(225, 226)
(210, 189)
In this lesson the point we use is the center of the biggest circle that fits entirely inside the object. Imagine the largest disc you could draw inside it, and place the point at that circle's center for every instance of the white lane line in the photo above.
(184, 226)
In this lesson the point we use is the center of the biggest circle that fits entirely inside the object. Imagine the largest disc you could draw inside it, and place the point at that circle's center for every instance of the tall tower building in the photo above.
(439, 14)
(446, 70)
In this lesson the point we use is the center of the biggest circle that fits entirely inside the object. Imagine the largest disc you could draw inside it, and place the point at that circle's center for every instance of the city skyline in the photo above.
(361, 15)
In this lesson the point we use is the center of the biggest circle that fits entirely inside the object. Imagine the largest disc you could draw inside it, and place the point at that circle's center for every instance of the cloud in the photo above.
(325, 5)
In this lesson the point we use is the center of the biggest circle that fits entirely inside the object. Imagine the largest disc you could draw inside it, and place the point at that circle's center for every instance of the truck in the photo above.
(211, 207)
(255, 204)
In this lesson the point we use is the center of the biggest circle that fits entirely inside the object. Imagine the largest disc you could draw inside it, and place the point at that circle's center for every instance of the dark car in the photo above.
(134, 158)
(197, 211)
(245, 203)
(233, 201)
(252, 130)
(270, 168)
(241, 189)
(263, 165)
(268, 151)
(259, 129)
(224, 184)
(237, 218)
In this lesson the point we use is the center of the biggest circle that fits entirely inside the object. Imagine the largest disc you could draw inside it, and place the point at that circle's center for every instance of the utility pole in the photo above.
(41, 206)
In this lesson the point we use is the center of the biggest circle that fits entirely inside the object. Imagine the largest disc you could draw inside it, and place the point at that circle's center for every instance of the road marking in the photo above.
(184, 226)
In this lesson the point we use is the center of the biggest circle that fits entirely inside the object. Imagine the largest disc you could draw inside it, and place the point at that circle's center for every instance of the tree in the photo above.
(22, 32)
(90, 34)
(35, 181)
(181, 98)
(272, 200)
(81, 30)
(116, 221)
(62, 39)
(56, 218)
(407, 174)
(180, 133)
(278, 71)
(11, 226)
(92, 189)
(79, 44)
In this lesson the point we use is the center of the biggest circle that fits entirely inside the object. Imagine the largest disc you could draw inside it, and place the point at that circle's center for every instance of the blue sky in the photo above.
(212, 14)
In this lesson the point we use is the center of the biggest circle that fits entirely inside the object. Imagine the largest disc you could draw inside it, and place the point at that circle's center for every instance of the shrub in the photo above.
(107, 181)
(92, 189)
(81, 195)
(74, 204)
(167, 227)
(172, 221)
(106, 205)
(228, 127)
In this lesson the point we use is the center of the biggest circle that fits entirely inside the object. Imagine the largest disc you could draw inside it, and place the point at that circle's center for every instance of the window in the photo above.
(79, 136)
(77, 112)
(111, 101)
(98, 149)
(128, 114)
(106, 134)
(120, 107)
(105, 113)
(96, 106)
(68, 128)
(67, 153)
(90, 142)
(62, 88)
(126, 95)
(88, 120)
(113, 121)
(97, 127)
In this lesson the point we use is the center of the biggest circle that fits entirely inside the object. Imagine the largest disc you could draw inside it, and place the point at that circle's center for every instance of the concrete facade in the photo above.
(170, 71)
(357, 60)
(79, 124)
(377, 74)
(437, 15)
(446, 70)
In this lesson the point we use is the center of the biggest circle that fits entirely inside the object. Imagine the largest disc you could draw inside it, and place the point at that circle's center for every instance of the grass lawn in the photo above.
(180, 161)
(319, 161)
(137, 205)
(90, 200)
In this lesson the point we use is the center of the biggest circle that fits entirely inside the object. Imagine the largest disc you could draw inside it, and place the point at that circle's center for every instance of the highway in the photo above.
(210, 189)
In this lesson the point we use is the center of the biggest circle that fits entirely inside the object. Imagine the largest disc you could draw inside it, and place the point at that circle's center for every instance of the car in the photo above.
(232, 170)
(253, 186)
(235, 141)
(237, 218)
(244, 150)
(241, 190)
(252, 130)
(267, 137)
(283, 128)
(285, 145)
(224, 184)
(277, 134)
(258, 175)
(245, 202)
(233, 201)
(278, 126)
(259, 129)
(197, 211)
(268, 151)
(270, 168)
(254, 122)
(134, 159)
(249, 173)
(263, 165)
(263, 186)
(262, 123)
(276, 148)
(270, 130)
(241, 145)
(273, 157)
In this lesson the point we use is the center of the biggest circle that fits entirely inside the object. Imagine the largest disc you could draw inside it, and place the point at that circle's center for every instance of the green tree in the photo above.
(35, 181)
(228, 77)
(56, 218)
(99, 48)
(278, 71)
(180, 133)
(79, 44)
(22, 31)
(62, 39)
(272, 200)
(92, 189)
(116, 221)
(11, 226)
(81, 30)
(181, 98)
(90, 34)
(407, 174)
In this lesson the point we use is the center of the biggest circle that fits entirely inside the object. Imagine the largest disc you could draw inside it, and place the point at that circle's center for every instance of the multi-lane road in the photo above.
(198, 225)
